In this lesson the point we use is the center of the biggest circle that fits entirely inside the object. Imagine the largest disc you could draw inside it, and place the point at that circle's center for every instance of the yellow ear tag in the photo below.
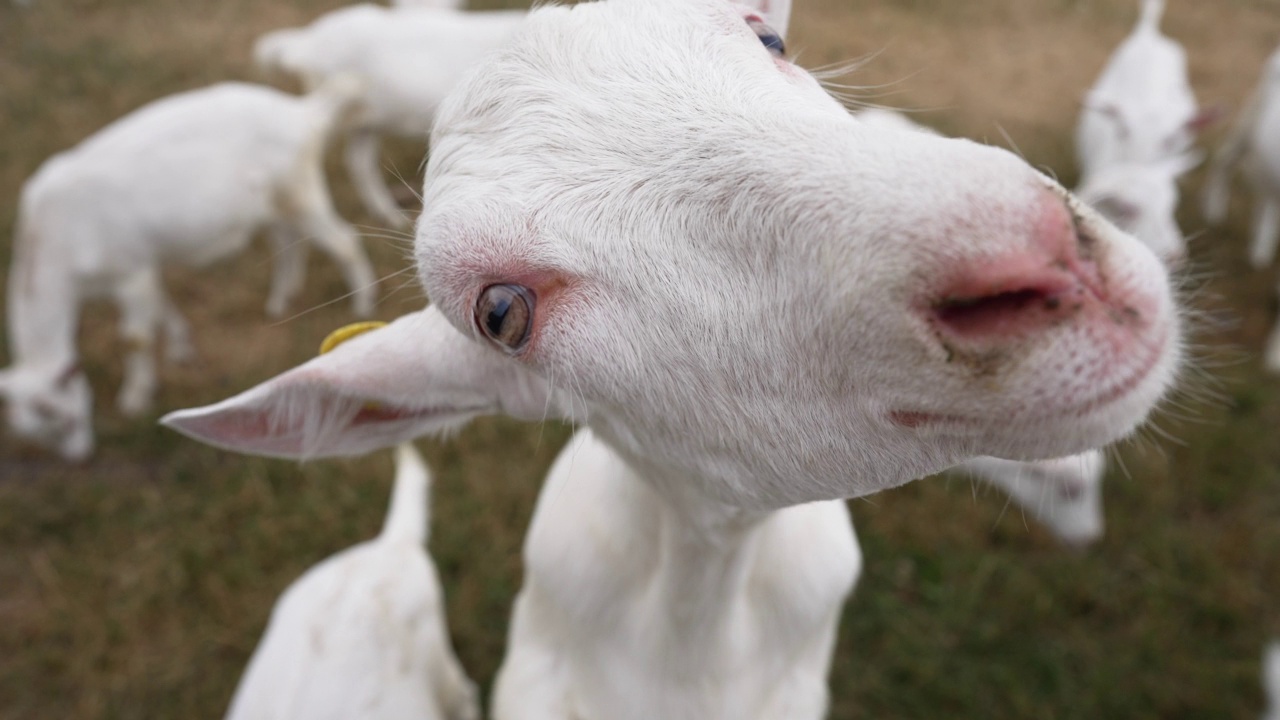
(346, 332)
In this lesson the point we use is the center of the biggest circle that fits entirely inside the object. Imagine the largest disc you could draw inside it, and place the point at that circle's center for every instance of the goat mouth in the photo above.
(1154, 352)
(913, 419)
(1130, 382)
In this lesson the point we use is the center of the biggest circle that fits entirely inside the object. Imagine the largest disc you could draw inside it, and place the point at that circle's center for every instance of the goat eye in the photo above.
(768, 36)
(505, 315)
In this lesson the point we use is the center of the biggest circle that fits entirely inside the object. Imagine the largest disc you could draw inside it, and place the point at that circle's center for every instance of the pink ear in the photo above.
(414, 377)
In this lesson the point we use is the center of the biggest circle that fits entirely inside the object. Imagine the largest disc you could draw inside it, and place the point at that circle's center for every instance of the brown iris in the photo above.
(504, 314)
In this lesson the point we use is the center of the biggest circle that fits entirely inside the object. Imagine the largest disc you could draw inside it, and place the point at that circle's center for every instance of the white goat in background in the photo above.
(1065, 494)
(1142, 108)
(641, 216)
(408, 58)
(187, 179)
(1254, 145)
(1136, 134)
(363, 634)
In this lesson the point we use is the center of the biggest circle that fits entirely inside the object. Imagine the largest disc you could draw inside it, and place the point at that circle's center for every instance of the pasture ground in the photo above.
(136, 586)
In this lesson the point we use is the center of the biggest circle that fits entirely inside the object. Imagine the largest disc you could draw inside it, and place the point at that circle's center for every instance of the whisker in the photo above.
(340, 298)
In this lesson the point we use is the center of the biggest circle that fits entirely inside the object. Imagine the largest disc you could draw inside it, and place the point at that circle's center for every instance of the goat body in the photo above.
(1135, 136)
(363, 634)
(407, 58)
(187, 179)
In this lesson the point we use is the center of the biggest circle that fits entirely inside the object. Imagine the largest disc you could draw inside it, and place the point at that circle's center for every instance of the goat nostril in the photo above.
(998, 315)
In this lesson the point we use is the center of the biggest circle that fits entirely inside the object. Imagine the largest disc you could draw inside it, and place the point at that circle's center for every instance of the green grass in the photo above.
(137, 585)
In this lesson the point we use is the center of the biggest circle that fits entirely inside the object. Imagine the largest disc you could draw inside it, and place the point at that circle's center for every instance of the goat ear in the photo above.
(776, 12)
(417, 376)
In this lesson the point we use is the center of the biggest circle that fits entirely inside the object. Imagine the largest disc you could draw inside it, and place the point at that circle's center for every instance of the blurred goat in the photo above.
(187, 179)
(363, 634)
(407, 58)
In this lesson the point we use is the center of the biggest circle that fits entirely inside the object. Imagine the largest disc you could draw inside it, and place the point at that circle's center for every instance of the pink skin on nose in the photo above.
(991, 301)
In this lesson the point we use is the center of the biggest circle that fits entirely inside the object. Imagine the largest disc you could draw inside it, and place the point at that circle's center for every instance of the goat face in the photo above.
(642, 203)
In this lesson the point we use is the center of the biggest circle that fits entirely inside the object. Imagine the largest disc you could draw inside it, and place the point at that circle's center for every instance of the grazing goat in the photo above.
(642, 217)
(1135, 136)
(1065, 494)
(407, 58)
(363, 634)
(187, 179)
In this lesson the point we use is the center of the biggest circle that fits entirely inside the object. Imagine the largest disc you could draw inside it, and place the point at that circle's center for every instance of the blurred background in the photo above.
(137, 584)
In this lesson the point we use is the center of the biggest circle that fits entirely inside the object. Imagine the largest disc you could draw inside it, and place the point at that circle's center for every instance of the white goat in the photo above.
(1271, 680)
(408, 58)
(1254, 143)
(363, 634)
(1135, 136)
(188, 179)
(641, 216)
(1142, 108)
(1065, 494)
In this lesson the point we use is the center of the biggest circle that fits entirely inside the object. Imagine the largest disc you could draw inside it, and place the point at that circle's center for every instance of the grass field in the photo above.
(137, 585)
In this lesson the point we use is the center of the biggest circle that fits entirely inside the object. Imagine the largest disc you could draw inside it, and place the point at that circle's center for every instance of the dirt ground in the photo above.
(138, 584)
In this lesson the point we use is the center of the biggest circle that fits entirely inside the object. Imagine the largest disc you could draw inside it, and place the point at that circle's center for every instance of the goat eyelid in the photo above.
(769, 37)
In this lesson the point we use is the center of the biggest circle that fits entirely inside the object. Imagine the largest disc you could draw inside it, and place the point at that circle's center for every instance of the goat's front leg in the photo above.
(362, 153)
(178, 347)
(288, 267)
(142, 304)
(317, 221)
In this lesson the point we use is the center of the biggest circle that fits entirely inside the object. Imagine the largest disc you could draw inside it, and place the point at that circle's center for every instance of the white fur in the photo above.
(755, 303)
(1271, 680)
(363, 634)
(188, 179)
(1142, 199)
(1065, 494)
(434, 4)
(408, 58)
(1254, 144)
(1142, 107)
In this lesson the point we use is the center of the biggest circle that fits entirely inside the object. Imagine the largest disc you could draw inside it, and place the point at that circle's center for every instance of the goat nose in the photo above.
(989, 301)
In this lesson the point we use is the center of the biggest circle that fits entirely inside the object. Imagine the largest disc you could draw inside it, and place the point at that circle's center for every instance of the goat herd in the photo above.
(641, 218)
